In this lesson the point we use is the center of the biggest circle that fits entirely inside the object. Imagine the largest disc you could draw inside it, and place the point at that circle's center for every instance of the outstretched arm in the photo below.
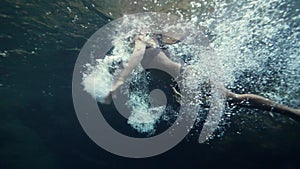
(135, 58)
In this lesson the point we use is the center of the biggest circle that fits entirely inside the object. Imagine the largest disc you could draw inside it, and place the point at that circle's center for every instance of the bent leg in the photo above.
(259, 102)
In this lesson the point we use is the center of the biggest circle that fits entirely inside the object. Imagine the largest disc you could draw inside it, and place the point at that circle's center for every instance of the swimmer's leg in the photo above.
(259, 102)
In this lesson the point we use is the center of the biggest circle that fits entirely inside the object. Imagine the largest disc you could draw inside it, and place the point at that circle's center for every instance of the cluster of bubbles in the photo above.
(258, 42)
(247, 46)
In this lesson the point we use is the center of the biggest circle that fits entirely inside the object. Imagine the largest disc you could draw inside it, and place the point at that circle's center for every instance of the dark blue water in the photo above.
(40, 41)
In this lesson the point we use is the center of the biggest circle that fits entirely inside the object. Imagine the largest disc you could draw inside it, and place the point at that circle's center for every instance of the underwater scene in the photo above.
(57, 57)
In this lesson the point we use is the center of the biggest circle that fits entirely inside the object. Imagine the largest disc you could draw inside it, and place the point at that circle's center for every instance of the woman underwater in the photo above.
(148, 50)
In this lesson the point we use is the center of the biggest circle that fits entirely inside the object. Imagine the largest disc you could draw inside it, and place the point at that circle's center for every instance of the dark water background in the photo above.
(40, 41)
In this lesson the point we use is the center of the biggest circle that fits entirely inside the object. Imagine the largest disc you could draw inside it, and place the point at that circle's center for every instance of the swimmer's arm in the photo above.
(135, 58)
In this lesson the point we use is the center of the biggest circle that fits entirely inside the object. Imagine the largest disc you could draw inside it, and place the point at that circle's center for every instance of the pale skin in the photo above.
(153, 56)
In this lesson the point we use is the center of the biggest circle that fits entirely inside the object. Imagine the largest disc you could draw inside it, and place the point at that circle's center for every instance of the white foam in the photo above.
(97, 80)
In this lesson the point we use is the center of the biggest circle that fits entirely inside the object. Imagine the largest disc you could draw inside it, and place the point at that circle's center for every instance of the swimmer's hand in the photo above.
(108, 98)
(117, 85)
